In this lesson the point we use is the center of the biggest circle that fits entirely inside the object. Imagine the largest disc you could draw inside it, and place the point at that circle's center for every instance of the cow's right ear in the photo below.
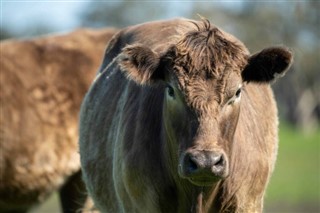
(140, 64)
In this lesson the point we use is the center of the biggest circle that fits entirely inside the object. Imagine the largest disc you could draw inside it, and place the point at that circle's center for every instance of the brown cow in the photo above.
(42, 83)
(180, 119)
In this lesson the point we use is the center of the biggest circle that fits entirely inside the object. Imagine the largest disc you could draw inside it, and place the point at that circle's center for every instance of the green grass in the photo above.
(52, 205)
(295, 184)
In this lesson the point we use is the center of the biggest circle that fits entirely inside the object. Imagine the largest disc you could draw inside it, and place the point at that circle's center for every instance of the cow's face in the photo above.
(205, 74)
(201, 115)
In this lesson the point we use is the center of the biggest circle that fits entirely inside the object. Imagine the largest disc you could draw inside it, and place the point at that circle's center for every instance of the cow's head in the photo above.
(205, 73)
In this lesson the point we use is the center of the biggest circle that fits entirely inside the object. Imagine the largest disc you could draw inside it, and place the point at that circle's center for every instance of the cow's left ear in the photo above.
(267, 65)
(140, 64)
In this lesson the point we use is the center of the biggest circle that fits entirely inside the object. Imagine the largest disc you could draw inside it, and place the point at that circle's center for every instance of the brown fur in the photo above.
(208, 51)
(172, 90)
(42, 84)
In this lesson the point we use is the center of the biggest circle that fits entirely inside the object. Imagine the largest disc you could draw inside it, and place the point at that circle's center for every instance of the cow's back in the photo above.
(43, 82)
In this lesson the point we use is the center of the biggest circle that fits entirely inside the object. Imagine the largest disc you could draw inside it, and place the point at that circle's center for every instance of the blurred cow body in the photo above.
(43, 81)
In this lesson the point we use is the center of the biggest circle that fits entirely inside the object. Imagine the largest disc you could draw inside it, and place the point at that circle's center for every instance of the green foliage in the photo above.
(5, 34)
(296, 179)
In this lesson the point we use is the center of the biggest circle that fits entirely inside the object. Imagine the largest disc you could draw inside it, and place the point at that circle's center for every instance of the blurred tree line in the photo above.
(257, 24)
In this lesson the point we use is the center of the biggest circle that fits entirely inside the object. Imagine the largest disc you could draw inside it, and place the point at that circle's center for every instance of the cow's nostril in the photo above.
(191, 165)
(218, 165)
(218, 160)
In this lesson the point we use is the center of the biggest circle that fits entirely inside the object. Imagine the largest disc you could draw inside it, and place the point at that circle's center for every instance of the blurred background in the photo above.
(295, 185)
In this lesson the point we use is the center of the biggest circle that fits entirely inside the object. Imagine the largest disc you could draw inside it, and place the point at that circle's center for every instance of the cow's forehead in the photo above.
(206, 94)
(209, 52)
(208, 61)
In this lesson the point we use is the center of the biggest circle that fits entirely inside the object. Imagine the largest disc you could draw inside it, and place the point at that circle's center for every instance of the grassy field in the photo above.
(52, 205)
(295, 184)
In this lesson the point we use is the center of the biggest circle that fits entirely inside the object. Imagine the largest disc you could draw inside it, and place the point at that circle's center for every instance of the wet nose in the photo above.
(204, 163)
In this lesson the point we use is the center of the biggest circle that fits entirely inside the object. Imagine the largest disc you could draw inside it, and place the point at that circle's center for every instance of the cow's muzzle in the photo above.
(203, 167)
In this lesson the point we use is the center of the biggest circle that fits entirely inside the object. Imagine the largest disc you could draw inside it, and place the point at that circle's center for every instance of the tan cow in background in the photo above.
(42, 83)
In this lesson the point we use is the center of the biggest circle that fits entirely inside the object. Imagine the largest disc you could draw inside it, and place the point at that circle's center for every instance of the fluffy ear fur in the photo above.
(140, 64)
(267, 65)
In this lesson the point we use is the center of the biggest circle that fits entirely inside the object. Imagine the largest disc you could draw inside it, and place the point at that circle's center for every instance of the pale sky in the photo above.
(58, 15)
(63, 15)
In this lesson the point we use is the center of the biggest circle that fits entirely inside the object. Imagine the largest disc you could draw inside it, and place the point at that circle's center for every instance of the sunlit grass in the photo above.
(296, 179)
(52, 205)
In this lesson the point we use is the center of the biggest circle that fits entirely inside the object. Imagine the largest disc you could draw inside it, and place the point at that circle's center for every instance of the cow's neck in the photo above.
(197, 199)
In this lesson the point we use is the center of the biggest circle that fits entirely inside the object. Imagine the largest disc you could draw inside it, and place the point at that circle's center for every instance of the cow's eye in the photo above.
(235, 97)
(238, 93)
(170, 91)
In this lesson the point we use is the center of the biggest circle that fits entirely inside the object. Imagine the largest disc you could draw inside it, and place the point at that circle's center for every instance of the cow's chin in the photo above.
(202, 181)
